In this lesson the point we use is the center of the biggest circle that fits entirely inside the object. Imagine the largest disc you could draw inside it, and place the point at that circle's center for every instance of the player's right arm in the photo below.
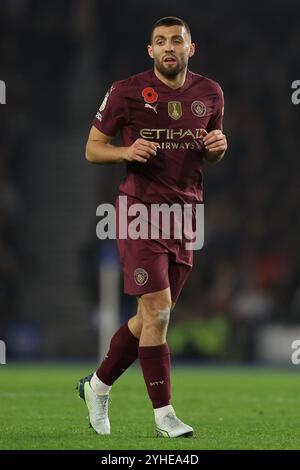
(110, 119)
(99, 149)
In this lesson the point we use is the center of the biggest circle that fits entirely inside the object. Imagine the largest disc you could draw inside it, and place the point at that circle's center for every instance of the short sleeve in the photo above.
(216, 120)
(111, 115)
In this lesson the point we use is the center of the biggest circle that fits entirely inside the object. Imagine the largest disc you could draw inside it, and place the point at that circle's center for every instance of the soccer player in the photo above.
(170, 120)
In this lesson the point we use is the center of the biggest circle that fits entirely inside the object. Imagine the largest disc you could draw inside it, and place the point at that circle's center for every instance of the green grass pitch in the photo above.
(229, 408)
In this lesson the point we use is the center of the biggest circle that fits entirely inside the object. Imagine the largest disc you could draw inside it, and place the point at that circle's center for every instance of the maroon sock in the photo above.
(155, 362)
(123, 351)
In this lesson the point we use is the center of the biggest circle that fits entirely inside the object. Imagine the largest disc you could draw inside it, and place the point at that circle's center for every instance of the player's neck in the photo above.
(173, 83)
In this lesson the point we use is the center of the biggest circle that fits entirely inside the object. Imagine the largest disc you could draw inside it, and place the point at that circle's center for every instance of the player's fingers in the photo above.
(146, 149)
(143, 153)
(216, 132)
(216, 144)
(211, 134)
(136, 158)
(215, 138)
(217, 148)
(147, 143)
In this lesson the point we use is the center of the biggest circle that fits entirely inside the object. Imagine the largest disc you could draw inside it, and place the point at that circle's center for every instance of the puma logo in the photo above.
(160, 382)
(151, 107)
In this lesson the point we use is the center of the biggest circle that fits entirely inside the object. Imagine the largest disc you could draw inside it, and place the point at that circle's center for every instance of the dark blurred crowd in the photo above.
(9, 216)
(38, 43)
(249, 268)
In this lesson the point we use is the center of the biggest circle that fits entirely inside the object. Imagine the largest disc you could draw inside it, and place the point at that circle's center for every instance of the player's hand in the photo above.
(215, 143)
(141, 150)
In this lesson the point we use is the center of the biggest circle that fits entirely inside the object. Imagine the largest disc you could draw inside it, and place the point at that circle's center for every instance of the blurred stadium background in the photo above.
(242, 301)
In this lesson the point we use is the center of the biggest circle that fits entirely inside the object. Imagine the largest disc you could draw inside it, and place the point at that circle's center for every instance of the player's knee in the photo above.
(156, 310)
(163, 317)
(157, 316)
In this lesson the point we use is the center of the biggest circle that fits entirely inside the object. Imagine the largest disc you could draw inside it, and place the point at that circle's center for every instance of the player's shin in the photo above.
(155, 363)
(123, 351)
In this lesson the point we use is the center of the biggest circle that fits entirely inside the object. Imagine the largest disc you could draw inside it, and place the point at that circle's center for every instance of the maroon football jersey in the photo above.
(143, 106)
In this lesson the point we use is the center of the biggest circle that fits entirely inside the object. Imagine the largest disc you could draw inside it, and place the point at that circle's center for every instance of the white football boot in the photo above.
(170, 426)
(97, 406)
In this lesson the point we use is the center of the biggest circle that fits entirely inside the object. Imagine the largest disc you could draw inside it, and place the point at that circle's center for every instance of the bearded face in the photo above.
(171, 49)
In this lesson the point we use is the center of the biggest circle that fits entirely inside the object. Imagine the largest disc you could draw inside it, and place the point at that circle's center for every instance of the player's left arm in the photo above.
(214, 139)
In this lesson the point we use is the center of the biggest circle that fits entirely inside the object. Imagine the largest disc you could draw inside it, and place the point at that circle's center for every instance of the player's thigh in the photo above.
(145, 265)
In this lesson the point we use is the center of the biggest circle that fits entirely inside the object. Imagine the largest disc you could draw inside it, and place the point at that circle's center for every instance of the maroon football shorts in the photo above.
(152, 265)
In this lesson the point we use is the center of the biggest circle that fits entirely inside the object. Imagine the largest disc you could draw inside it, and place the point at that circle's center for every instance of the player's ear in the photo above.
(150, 51)
(192, 49)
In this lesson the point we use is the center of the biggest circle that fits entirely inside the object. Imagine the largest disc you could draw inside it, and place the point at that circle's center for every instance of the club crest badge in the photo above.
(174, 109)
(198, 108)
(140, 276)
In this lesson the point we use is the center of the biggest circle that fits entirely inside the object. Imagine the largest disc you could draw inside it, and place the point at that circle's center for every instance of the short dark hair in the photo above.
(170, 21)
